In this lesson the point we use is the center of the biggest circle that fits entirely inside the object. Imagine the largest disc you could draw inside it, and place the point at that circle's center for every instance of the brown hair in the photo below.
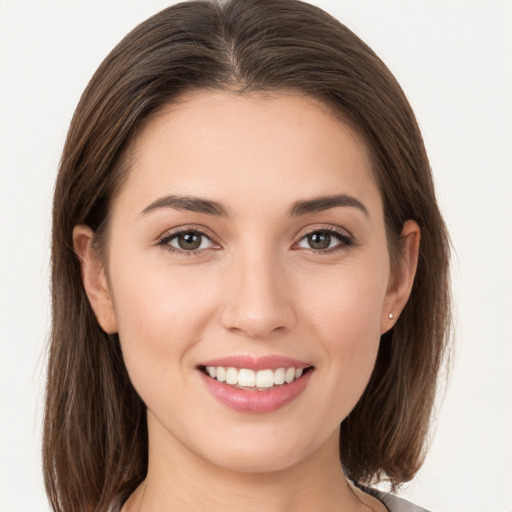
(95, 438)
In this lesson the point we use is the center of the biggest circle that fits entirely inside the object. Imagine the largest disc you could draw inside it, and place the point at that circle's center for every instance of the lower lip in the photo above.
(253, 400)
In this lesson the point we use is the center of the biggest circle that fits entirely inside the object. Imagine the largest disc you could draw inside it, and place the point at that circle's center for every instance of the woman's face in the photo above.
(250, 236)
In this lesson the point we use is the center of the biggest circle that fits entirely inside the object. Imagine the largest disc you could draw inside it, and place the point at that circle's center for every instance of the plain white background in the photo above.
(453, 59)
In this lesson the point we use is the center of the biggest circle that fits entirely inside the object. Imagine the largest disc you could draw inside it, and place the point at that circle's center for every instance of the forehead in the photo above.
(224, 146)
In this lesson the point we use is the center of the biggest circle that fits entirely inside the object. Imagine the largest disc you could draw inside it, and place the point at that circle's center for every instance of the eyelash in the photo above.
(165, 239)
(346, 241)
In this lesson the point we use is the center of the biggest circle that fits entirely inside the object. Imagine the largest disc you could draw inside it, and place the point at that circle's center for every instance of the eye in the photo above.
(325, 240)
(189, 240)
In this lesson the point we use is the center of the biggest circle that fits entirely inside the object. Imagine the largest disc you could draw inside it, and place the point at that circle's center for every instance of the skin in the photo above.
(257, 287)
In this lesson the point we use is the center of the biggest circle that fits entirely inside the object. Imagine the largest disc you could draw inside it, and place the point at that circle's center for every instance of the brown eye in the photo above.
(325, 240)
(188, 241)
(319, 240)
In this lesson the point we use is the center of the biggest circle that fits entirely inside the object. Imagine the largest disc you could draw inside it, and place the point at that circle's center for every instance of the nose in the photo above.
(258, 301)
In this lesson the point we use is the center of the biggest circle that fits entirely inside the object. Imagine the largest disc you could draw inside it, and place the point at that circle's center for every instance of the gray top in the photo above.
(393, 503)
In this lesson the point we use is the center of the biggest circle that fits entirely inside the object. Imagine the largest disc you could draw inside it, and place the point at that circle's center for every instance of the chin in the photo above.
(262, 452)
(259, 461)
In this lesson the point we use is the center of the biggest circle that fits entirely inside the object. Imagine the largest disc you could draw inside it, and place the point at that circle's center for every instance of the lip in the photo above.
(253, 400)
(270, 362)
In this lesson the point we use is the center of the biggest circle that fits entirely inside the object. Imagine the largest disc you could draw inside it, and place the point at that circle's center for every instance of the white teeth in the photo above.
(246, 378)
(289, 375)
(265, 379)
(221, 374)
(279, 376)
(231, 376)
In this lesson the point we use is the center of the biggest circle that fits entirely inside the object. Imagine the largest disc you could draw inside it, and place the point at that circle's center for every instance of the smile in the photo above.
(245, 378)
(255, 385)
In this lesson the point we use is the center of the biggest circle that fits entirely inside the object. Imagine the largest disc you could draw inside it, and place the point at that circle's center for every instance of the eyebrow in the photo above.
(192, 204)
(208, 207)
(318, 204)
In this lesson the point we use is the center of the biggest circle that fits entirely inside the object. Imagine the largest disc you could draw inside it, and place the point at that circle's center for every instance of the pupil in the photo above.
(319, 240)
(189, 241)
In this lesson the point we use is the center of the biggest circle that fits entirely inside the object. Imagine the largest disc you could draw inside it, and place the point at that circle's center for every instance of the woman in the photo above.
(241, 300)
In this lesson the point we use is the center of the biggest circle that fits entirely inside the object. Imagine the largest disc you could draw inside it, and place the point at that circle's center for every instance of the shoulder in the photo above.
(393, 503)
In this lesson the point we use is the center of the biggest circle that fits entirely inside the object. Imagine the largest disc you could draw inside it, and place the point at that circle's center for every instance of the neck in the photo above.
(178, 479)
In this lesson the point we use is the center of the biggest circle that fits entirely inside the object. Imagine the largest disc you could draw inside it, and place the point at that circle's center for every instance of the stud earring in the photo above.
(391, 316)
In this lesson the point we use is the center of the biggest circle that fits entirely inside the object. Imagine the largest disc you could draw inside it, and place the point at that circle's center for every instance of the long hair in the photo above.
(95, 436)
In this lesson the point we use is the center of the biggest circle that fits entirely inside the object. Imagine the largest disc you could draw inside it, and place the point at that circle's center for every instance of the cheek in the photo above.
(346, 321)
(347, 306)
(161, 314)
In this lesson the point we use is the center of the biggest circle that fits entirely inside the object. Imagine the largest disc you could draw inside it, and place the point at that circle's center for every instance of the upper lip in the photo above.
(270, 362)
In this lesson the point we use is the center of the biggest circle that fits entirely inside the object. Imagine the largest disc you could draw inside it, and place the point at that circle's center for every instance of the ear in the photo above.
(94, 279)
(401, 282)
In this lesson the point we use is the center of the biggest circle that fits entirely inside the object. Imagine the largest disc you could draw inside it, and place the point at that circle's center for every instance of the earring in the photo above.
(391, 316)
